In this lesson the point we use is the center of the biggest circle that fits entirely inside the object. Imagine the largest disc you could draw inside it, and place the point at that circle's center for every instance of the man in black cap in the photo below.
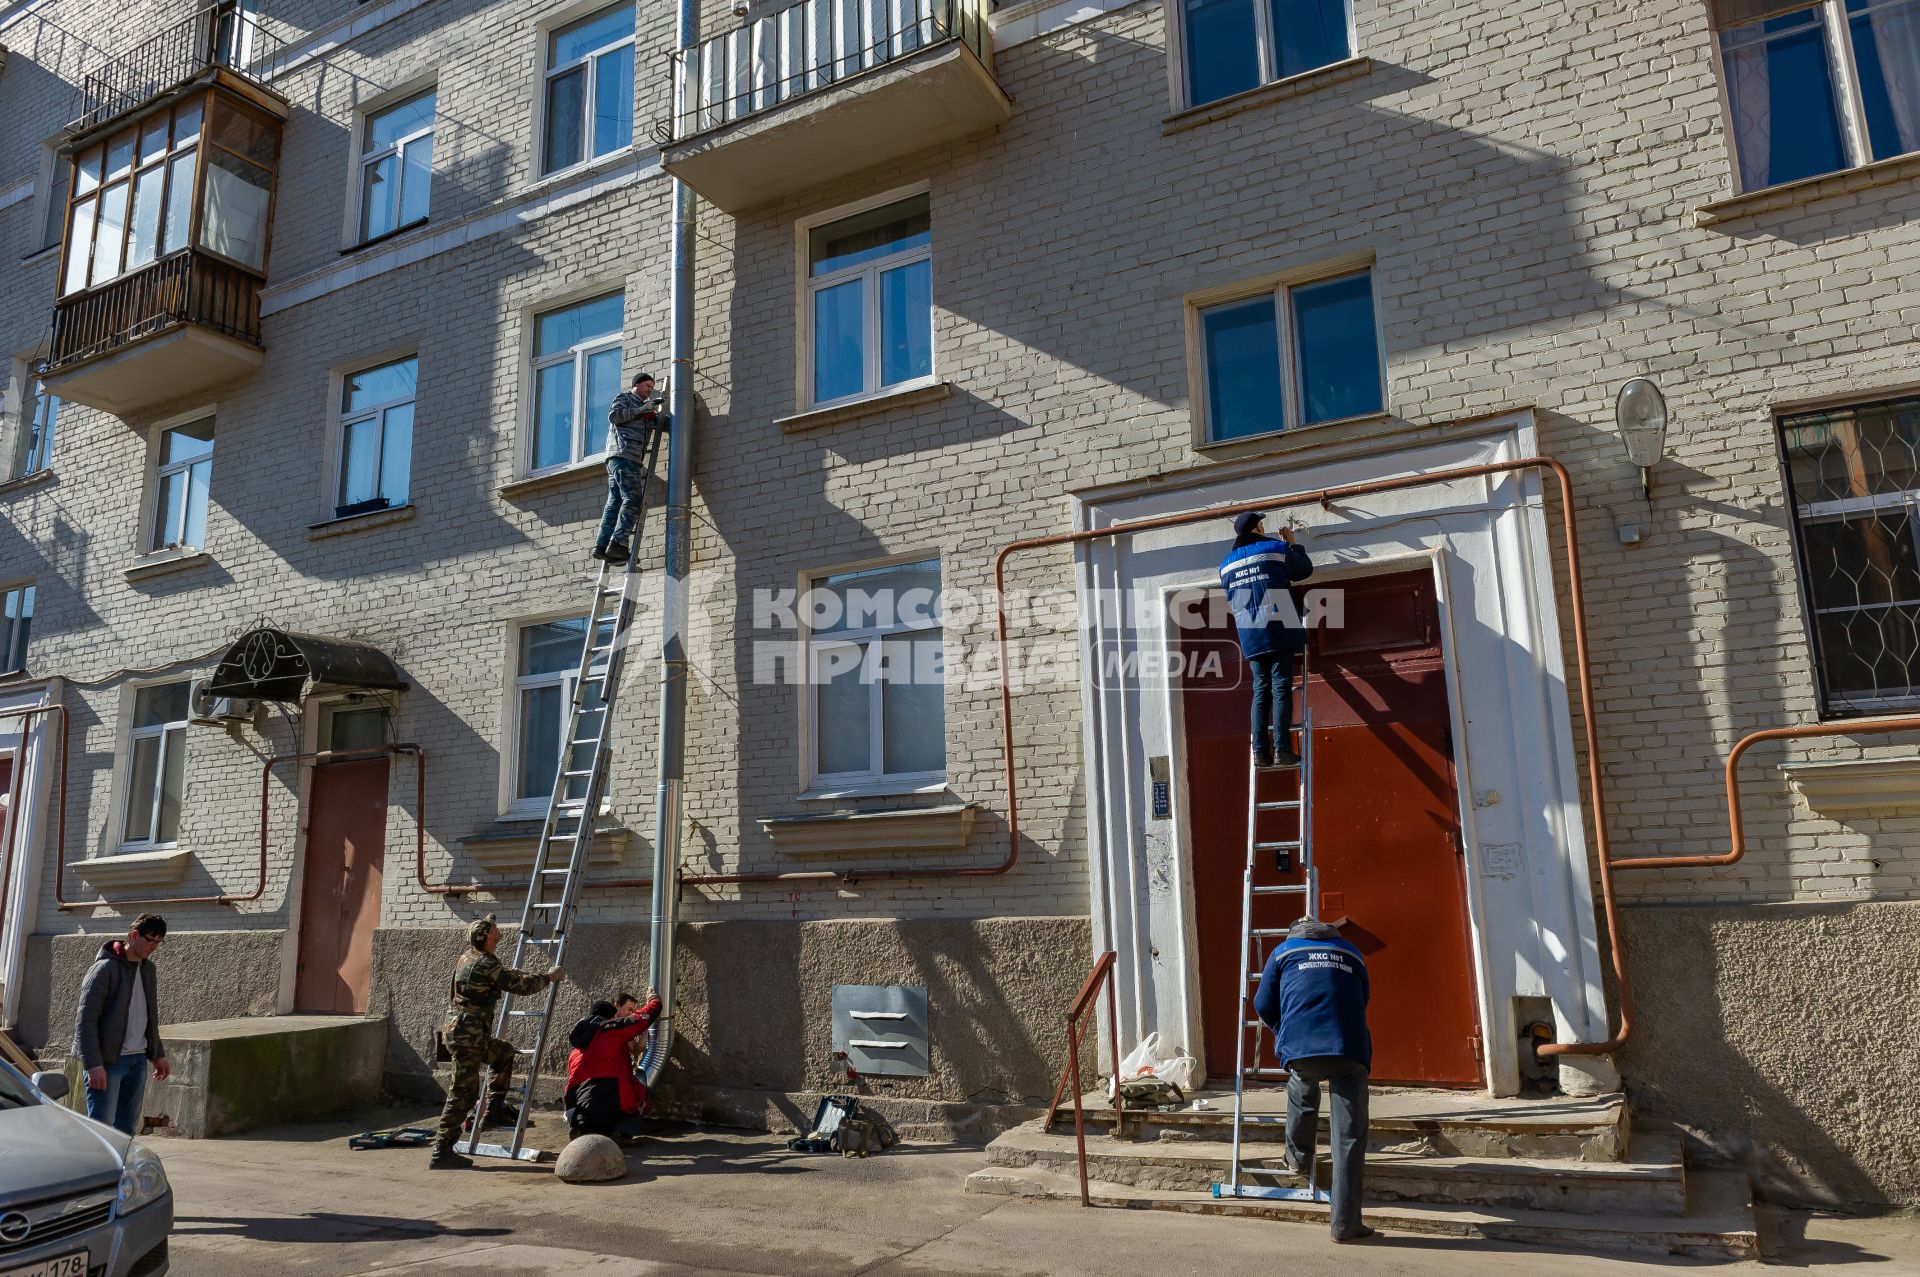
(632, 421)
(479, 979)
(1258, 574)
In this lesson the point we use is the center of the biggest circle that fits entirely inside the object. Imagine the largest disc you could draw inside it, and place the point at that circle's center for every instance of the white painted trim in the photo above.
(17, 192)
(32, 750)
(1535, 932)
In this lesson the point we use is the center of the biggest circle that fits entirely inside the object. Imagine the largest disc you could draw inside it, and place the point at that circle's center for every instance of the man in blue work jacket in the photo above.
(1313, 995)
(1257, 574)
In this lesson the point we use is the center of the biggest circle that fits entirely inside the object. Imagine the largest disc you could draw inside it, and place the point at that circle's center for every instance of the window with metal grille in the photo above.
(1853, 475)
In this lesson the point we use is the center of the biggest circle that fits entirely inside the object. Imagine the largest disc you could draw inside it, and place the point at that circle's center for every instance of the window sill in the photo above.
(48, 254)
(384, 237)
(929, 829)
(509, 844)
(873, 789)
(166, 562)
(1807, 190)
(359, 522)
(585, 168)
(1265, 95)
(163, 868)
(1858, 787)
(26, 481)
(872, 405)
(563, 477)
(1279, 440)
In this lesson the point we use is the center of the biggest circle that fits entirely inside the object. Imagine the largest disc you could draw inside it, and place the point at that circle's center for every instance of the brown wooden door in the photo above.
(1385, 830)
(340, 901)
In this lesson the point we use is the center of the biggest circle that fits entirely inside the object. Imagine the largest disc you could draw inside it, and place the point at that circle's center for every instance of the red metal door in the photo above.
(340, 901)
(1385, 830)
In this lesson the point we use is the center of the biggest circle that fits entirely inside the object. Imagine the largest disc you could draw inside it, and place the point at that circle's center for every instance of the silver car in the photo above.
(77, 1199)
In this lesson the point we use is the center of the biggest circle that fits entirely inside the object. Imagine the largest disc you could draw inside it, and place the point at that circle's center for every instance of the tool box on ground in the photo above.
(841, 1125)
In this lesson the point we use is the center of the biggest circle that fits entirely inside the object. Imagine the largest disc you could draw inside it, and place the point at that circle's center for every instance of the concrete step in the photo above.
(1653, 1182)
(1401, 1120)
(1718, 1224)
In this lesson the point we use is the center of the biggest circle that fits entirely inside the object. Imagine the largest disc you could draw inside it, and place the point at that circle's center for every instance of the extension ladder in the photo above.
(578, 788)
(1253, 953)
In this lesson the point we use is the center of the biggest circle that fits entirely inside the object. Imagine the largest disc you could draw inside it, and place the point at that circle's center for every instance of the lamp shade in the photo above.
(1641, 413)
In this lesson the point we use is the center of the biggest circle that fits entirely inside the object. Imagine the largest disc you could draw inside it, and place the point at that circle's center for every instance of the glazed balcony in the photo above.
(826, 88)
(169, 215)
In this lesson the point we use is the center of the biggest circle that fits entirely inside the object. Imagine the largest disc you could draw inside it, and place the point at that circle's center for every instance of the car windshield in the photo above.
(15, 1091)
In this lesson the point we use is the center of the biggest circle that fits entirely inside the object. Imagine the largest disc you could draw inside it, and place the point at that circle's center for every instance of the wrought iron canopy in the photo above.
(273, 665)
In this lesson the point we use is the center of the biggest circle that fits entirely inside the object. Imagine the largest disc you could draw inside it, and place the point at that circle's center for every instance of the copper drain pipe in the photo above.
(1324, 497)
(266, 793)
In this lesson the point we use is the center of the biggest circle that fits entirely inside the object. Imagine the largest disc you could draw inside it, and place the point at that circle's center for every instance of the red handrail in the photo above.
(1102, 974)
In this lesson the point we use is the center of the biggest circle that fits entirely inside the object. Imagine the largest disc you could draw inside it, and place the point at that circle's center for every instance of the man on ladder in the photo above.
(634, 423)
(1258, 574)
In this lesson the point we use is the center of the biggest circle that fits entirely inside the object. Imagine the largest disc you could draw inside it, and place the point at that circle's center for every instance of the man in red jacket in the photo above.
(603, 1096)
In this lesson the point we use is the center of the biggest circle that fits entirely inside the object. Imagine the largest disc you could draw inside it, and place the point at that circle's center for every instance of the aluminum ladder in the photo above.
(1253, 953)
(554, 889)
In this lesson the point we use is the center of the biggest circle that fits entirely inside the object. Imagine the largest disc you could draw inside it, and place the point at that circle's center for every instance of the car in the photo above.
(77, 1199)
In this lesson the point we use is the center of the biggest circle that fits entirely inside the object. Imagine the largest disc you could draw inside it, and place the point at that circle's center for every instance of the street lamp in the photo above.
(1640, 411)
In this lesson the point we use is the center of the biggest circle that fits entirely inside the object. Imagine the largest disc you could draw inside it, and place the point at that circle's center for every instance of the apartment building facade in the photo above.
(967, 275)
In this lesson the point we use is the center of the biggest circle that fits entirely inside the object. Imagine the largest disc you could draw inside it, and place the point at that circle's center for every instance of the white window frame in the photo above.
(591, 61)
(13, 660)
(516, 807)
(25, 449)
(579, 353)
(808, 286)
(343, 420)
(1855, 138)
(47, 208)
(1280, 289)
(874, 779)
(369, 157)
(130, 737)
(160, 472)
(1176, 20)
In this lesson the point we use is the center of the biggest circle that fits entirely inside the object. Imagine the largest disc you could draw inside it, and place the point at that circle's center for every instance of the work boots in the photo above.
(443, 1158)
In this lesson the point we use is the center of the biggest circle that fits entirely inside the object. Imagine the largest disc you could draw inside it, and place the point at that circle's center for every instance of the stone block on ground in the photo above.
(591, 1159)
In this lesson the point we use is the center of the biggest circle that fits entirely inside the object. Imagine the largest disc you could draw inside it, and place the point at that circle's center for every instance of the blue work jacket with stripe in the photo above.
(1257, 576)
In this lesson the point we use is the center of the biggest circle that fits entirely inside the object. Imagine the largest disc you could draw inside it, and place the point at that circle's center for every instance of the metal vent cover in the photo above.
(881, 1029)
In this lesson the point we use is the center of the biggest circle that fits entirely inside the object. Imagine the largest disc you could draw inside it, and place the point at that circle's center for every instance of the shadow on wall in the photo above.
(1778, 1036)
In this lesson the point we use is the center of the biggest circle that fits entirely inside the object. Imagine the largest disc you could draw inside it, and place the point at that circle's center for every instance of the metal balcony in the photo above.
(826, 88)
(221, 35)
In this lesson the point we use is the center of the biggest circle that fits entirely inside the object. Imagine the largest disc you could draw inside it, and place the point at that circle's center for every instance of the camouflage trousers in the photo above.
(468, 1059)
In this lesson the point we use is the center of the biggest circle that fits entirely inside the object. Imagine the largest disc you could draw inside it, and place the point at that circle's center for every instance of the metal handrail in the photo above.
(220, 35)
(1101, 975)
(805, 48)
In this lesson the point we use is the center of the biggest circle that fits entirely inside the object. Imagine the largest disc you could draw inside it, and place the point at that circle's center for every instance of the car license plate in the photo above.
(74, 1265)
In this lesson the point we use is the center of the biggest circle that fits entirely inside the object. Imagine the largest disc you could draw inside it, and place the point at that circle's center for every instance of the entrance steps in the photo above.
(1561, 1172)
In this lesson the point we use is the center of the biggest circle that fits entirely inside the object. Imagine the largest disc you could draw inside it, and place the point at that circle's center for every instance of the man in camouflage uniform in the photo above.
(478, 981)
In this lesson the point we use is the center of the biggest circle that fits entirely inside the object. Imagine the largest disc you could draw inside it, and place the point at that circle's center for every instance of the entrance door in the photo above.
(1385, 829)
(346, 854)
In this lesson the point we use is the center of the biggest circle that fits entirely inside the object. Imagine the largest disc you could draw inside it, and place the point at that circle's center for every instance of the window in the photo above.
(16, 622)
(1817, 87)
(870, 301)
(576, 374)
(1231, 46)
(185, 468)
(589, 88)
(1300, 355)
(396, 167)
(548, 672)
(1854, 475)
(376, 438)
(133, 197)
(33, 443)
(877, 676)
(53, 214)
(351, 728)
(156, 767)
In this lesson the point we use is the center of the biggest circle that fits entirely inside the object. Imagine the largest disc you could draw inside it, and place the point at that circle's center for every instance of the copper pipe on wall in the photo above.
(1323, 497)
(266, 794)
(1736, 826)
(13, 800)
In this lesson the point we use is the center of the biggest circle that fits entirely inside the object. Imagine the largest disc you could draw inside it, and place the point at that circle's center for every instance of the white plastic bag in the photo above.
(1153, 1058)
(1181, 1070)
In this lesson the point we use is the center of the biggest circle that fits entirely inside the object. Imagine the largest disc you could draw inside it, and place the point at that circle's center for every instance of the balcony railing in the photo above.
(807, 47)
(219, 35)
(188, 287)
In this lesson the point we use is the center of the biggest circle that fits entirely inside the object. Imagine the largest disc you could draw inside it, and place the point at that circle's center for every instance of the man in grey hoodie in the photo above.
(116, 1031)
(633, 422)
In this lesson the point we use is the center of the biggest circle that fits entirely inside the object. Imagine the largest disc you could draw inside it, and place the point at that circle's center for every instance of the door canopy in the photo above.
(272, 665)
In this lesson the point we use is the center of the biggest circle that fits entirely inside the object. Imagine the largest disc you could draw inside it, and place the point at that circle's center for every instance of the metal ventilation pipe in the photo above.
(667, 820)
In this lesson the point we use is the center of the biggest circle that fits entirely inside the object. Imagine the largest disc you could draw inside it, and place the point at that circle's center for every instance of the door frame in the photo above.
(1529, 873)
(1428, 561)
